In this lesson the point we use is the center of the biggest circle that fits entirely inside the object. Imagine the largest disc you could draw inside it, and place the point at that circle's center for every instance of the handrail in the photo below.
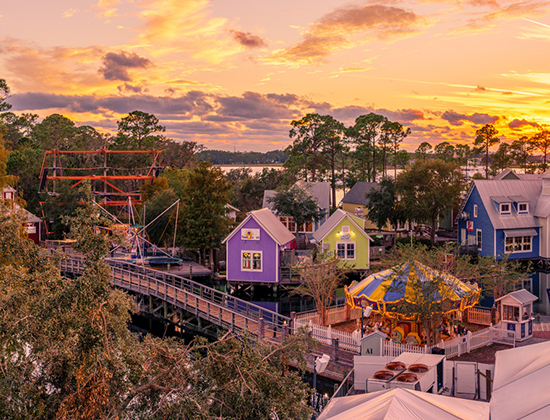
(205, 293)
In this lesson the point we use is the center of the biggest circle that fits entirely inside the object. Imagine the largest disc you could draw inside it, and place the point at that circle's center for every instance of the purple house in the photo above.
(254, 248)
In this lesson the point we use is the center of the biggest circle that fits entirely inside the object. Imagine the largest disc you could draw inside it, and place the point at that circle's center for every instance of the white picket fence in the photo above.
(346, 341)
(453, 347)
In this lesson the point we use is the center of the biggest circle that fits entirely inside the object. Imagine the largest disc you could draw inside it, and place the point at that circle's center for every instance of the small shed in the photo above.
(343, 235)
(516, 313)
(254, 248)
(373, 344)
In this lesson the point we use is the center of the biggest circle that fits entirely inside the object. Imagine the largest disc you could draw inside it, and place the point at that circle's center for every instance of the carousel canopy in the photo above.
(384, 290)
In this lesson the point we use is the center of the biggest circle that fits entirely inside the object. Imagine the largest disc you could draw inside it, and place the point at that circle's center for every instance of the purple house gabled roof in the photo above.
(268, 222)
(268, 237)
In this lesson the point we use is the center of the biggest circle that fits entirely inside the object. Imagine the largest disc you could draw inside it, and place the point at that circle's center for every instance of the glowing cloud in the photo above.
(116, 65)
(348, 27)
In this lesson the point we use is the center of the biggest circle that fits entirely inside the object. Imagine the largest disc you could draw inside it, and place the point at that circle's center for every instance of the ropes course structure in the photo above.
(113, 185)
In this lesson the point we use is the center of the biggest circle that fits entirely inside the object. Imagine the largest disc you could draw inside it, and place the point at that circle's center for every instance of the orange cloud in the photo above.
(348, 27)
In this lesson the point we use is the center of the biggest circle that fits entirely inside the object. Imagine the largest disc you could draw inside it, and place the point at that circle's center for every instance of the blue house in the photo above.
(507, 217)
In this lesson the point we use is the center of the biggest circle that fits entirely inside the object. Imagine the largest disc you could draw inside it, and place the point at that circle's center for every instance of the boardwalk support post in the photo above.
(261, 329)
(335, 343)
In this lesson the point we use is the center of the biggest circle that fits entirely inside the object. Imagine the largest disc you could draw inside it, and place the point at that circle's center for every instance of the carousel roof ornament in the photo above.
(410, 283)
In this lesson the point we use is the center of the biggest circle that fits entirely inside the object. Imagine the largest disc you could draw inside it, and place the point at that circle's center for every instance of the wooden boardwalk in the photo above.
(194, 298)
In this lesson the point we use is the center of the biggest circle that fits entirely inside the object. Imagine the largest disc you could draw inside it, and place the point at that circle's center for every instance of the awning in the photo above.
(516, 233)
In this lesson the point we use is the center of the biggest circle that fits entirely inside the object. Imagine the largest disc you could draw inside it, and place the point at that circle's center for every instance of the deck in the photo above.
(196, 299)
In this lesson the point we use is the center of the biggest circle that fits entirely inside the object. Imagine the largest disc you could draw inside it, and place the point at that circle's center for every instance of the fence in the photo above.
(335, 315)
(453, 347)
(325, 335)
(480, 316)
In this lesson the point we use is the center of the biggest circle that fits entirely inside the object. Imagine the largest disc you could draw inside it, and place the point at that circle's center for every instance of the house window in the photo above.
(520, 244)
(251, 260)
(345, 250)
(478, 237)
(505, 208)
(475, 210)
(307, 227)
(288, 222)
(523, 208)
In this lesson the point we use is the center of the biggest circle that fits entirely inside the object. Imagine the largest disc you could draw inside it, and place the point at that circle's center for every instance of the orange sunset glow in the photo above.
(233, 74)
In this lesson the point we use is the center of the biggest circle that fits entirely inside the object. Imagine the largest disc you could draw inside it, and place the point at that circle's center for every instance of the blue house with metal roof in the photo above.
(507, 217)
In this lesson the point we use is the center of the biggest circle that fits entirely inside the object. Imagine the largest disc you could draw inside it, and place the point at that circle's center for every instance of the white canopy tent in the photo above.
(404, 404)
(522, 379)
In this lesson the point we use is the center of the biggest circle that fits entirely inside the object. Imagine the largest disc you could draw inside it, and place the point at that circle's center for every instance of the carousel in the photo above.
(389, 292)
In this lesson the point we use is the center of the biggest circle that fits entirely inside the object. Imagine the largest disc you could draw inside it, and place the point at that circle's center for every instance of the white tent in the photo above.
(404, 404)
(522, 380)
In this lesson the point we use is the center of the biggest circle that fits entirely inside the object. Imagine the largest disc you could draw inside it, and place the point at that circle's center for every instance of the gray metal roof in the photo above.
(543, 207)
(510, 174)
(501, 199)
(320, 191)
(491, 189)
(518, 233)
(518, 198)
(333, 221)
(270, 223)
(266, 204)
(522, 296)
(357, 193)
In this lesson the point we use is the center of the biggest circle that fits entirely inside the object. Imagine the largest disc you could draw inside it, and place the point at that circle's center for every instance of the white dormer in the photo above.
(505, 208)
(523, 208)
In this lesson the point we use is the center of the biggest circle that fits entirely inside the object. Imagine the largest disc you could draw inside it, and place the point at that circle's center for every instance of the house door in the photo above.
(463, 236)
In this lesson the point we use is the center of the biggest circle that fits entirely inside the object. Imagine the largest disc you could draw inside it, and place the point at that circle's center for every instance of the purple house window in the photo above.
(251, 260)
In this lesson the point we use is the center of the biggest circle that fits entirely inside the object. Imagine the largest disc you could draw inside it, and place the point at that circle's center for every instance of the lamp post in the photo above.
(319, 366)
(366, 310)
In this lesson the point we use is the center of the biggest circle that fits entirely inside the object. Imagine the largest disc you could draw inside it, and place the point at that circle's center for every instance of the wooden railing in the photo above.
(479, 315)
(203, 301)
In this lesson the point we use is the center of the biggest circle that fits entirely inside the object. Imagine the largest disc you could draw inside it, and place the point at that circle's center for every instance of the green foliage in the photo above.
(297, 203)
(66, 351)
(222, 157)
(365, 135)
(204, 195)
(55, 132)
(486, 137)
(384, 205)
(317, 142)
(429, 188)
(57, 208)
(247, 191)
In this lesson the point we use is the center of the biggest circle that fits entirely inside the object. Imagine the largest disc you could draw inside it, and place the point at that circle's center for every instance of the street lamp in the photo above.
(319, 366)
(366, 310)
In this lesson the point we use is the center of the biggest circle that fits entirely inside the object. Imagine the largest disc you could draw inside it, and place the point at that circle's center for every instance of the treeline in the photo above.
(24, 141)
(222, 157)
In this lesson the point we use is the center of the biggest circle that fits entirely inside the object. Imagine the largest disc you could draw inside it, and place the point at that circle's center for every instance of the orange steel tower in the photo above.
(107, 182)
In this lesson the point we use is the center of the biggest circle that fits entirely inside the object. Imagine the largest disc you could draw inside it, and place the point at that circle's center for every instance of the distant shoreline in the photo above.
(251, 165)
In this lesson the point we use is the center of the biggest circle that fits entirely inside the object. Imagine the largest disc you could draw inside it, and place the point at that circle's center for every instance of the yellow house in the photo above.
(343, 235)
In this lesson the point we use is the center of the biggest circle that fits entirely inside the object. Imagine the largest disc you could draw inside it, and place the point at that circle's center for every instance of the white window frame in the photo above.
(256, 270)
(502, 211)
(518, 244)
(479, 239)
(475, 210)
(347, 247)
(526, 211)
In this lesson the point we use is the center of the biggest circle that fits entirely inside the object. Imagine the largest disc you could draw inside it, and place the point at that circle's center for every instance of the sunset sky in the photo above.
(232, 74)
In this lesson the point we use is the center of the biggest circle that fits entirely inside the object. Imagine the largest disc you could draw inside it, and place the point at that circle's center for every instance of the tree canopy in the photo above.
(428, 189)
